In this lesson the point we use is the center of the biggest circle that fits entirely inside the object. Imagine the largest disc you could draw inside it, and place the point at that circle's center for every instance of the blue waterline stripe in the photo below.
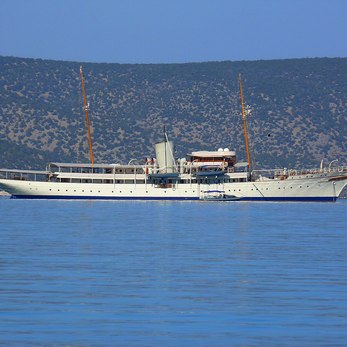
(71, 197)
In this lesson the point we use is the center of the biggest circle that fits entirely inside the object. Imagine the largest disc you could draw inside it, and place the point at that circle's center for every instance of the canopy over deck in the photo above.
(212, 154)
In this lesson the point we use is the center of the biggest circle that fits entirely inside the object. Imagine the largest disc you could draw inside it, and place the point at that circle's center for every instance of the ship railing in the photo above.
(284, 173)
(24, 175)
(316, 171)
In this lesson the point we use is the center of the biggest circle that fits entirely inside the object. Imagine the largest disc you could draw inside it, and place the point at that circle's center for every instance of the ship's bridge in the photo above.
(221, 157)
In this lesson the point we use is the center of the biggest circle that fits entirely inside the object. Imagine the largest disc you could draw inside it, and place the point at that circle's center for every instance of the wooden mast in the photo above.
(244, 115)
(86, 109)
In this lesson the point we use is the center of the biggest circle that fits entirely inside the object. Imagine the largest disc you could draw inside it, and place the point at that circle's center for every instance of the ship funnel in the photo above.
(165, 159)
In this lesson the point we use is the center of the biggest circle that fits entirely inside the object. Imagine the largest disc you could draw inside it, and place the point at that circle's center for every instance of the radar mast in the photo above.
(245, 111)
(86, 109)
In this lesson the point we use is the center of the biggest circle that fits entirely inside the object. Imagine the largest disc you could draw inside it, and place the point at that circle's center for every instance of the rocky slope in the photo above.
(299, 110)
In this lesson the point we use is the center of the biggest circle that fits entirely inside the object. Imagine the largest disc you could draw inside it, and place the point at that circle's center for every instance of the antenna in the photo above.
(165, 140)
(245, 111)
(86, 109)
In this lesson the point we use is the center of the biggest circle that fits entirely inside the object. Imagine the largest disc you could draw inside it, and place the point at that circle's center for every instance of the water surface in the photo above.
(94, 273)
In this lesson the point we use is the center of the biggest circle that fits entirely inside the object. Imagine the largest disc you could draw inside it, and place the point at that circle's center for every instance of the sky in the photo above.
(172, 31)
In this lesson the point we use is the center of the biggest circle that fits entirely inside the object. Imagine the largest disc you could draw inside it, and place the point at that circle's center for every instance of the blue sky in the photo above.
(168, 31)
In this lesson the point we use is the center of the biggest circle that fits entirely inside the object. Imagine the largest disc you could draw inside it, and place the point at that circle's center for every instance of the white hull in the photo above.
(314, 188)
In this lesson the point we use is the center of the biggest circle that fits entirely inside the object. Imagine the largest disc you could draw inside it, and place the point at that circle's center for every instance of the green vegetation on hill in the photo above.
(298, 110)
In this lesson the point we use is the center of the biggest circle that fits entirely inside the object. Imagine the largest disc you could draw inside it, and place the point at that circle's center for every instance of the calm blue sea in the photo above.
(93, 273)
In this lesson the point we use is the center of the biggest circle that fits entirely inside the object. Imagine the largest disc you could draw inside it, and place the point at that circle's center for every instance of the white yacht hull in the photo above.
(305, 189)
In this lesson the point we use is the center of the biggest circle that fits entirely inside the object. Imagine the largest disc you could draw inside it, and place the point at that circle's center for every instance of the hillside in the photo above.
(298, 110)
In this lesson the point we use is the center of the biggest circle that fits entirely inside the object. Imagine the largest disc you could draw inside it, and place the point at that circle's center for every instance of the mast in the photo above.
(86, 109)
(244, 115)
